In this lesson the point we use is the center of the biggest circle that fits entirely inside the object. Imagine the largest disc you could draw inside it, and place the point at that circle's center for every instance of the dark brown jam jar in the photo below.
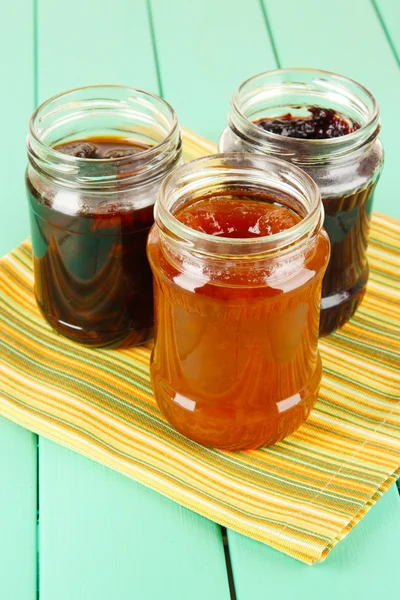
(327, 125)
(97, 157)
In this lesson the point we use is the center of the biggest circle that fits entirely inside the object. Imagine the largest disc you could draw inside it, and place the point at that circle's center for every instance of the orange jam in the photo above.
(236, 363)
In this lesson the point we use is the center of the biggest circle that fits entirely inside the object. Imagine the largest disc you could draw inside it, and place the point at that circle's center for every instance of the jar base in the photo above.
(224, 433)
(337, 309)
(98, 339)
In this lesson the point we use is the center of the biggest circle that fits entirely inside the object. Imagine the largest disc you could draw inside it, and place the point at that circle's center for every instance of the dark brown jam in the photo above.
(322, 124)
(92, 279)
(346, 221)
(100, 148)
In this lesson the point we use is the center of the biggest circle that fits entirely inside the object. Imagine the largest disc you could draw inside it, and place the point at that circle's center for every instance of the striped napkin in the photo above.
(301, 496)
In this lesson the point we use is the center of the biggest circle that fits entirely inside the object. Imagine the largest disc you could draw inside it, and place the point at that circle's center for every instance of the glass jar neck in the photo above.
(275, 179)
(139, 117)
(275, 93)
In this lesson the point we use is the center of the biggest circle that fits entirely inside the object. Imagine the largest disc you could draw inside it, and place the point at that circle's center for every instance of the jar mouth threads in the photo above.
(104, 110)
(280, 180)
(275, 93)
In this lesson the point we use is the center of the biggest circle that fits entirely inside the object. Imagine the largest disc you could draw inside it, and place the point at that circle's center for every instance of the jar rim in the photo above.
(45, 153)
(337, 145)
(260, 169)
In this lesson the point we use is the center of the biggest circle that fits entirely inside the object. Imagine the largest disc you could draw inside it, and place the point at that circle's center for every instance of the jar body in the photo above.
(90, 218)
(93, 283)
(347, 187)
(235, 368)
(235, 363)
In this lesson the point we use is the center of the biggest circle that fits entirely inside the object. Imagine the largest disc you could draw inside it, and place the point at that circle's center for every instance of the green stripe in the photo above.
(369, 389)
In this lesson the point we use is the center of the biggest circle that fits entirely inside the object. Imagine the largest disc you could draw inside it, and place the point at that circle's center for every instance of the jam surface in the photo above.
(92, 279)
(232, 217)
(323, 123)
(100, 147)
(235, 363)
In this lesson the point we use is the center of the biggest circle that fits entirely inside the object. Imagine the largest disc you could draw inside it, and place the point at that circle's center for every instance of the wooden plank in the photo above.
(356, 568)
(348, 39)
(205, 49)
(388, 12)
(17, 512)
(101, 535)
(96, 43)
(104, 536)
(17, 446)
(16, 106)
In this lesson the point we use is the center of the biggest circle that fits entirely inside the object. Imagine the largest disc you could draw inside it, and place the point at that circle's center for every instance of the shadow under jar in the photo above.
(97, 156)
(238, 255)
(335, 122)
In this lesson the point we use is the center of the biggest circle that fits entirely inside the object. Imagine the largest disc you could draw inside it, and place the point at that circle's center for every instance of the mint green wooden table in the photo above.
(69, 528)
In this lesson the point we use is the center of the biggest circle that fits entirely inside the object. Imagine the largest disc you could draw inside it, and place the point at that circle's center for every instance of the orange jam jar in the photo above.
(237, 254)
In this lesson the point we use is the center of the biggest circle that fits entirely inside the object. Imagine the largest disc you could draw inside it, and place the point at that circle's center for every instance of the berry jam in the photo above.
(235, 362)
(324, 123)
(347, 219)
(92, 279)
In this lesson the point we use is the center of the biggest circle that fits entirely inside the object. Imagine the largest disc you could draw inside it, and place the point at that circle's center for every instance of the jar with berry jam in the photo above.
(238, 254)
(327, 125)
(97, 156)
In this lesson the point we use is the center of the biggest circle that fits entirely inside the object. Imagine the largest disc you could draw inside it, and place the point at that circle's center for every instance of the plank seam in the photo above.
(154, 45)
(264, 12)
(35, 54)
(386, 31)
(228, 564)
(37, 522)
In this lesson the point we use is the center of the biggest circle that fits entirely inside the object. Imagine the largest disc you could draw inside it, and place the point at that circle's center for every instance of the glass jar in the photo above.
(345, 168)
(235, 363)
(90, 217)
